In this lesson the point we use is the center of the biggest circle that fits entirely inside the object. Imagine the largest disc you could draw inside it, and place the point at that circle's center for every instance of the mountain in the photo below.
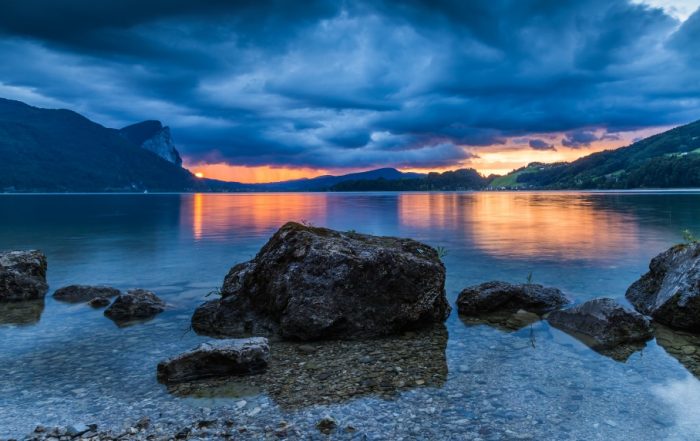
(61, 151)
(667, 160)
(152, 136)
(457, 180)
(327, 182)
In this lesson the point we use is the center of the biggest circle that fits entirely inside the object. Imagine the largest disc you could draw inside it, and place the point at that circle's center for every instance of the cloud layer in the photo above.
(356, 84)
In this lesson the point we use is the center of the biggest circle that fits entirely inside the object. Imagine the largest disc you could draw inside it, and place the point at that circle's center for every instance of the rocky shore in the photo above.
(349, 316)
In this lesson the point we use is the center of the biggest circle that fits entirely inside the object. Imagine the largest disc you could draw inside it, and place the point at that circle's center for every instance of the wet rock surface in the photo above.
(504, 320)
(84, 293)
(311, 283)
(496, 296)
(670, 291)
(218, 358)
(135, 305)
(683, 346)
(603, 324)
(27, 312)
(99, 302)
(22, 275)
(326, 372)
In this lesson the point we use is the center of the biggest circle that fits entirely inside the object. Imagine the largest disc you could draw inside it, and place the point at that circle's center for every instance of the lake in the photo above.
(61, 363)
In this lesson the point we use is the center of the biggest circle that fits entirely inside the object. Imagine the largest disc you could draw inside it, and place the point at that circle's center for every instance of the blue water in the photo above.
(63, 363)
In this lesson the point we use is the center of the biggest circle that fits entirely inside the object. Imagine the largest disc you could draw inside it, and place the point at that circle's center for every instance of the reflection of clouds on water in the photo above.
(683, 400)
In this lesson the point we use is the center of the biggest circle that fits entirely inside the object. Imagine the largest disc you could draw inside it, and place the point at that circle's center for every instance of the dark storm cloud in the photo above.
(538, 144)
(355, 84)
(579, 138)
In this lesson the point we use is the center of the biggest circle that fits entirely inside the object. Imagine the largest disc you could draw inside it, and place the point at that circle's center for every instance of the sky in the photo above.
(272, 90)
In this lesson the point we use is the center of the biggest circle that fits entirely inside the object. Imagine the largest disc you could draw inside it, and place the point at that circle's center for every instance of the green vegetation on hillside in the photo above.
(666, 160)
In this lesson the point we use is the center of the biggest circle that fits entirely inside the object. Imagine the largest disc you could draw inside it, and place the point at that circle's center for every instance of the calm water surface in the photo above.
(61, 364)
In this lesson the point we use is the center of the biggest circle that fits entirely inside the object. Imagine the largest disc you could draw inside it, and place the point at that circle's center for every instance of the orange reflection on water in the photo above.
(558, 225)
(215, 215)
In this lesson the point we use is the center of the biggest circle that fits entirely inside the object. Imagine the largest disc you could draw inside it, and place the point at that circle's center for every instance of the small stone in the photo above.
(326, 425)
(217, 358)
(183, 434)
(136, 304)
(306, 349)
(143, 423)
(77, 429)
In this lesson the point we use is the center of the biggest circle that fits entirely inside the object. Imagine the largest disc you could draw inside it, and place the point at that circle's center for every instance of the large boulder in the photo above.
(84, 293)
(603, 323)
(311, 283)
(495, 296)
(670, 291)
(22, 275)
(136, 304)
(219, 358)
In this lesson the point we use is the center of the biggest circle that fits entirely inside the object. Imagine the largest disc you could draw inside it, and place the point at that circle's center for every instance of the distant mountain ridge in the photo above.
(327, 182)
(62, 151)
(667, 160)
(46, 150)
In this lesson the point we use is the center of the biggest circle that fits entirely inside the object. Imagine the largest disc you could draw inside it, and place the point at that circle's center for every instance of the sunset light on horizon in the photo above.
(498, 159)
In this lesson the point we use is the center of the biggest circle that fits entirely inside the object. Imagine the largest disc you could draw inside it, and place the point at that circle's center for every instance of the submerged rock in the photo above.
(507, 321)
(22, 275)
(136, 304)
(99, 302)
(311, 283)
(84, 293)
(683, 346)
(219, 358)
(496, 296)
(27, 312)
(603, 323)
(670, 291)
(337, 371)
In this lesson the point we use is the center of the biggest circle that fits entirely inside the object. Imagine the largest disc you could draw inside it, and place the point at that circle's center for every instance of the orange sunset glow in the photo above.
(497, 159)
(523, 225)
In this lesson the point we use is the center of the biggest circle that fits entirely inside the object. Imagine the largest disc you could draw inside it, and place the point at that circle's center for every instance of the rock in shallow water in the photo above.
(498, 296)
(22, 275)
(136, 304)
(604, 322)
(312, 283)
(84, 293)
(219, 358)
(99, 302)
(670, 291)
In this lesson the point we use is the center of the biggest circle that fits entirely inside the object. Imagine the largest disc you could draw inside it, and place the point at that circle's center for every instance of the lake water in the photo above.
(62, 364)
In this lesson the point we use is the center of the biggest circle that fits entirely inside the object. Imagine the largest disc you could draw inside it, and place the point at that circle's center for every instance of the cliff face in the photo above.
(62, 151)
(154, 137)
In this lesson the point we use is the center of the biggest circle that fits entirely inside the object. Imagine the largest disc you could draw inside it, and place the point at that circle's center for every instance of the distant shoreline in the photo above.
(578, 191)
